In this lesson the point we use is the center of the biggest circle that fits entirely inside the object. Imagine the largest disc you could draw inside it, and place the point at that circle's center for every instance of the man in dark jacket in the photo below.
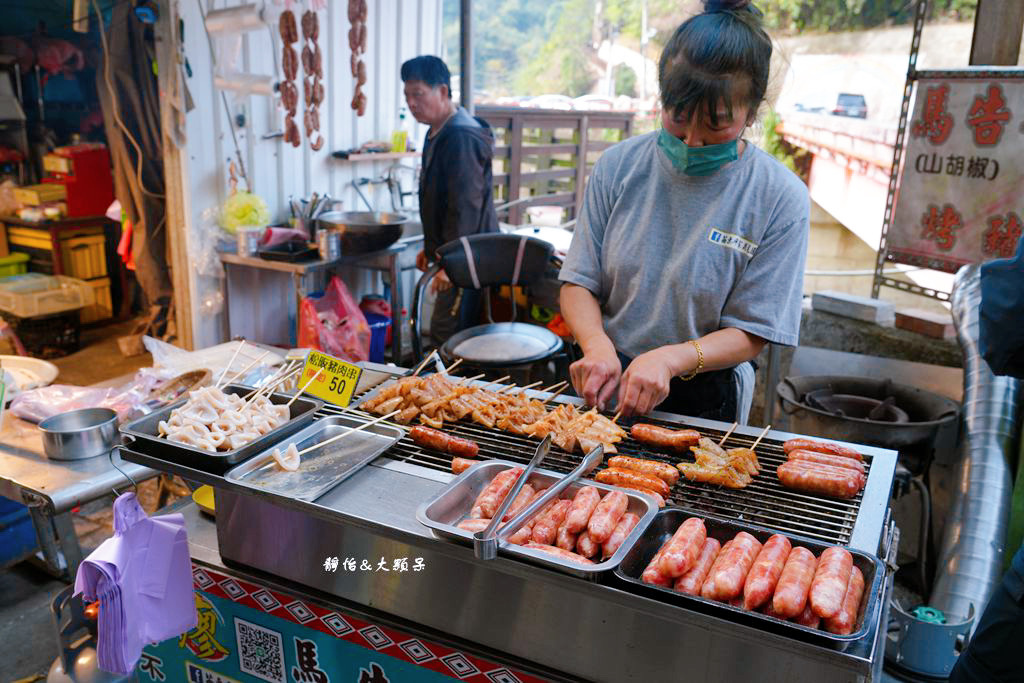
(456, 195)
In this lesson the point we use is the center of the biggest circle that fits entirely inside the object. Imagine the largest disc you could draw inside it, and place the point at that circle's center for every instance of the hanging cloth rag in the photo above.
(142, 578)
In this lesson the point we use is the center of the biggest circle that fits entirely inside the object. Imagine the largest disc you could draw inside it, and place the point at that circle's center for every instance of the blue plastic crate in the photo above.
(17, 534)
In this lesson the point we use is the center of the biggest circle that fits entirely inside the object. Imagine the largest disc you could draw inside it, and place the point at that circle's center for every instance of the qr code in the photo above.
(260, 651)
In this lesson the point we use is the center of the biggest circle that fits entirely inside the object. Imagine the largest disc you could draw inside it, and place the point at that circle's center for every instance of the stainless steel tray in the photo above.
(146, 438)
(322, 469)
(666, 522)
(443, 512)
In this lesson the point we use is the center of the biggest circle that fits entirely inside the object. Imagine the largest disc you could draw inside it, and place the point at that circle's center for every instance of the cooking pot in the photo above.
(79, 434)
(363, 231)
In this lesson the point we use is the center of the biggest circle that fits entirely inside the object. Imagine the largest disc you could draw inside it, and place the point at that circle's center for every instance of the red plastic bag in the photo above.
(333, 323)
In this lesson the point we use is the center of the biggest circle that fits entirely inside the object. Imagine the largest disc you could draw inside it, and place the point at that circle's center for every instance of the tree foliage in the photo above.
(532, 47)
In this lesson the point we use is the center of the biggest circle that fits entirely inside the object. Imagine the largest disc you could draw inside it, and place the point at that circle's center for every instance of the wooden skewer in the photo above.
(350, 430)
(552, 396)
(451, 367)
(552, 387)
(422, 365)
(528, 386)
(763, 432)
(247, 368)
(497, 381)
(463, 380)
(504, 389)
(269, 387)
(306, 386)
(223, 372)
(729, 433)
(618, 414)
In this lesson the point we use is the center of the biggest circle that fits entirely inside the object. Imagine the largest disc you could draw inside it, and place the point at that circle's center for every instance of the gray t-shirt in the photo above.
(672, 257)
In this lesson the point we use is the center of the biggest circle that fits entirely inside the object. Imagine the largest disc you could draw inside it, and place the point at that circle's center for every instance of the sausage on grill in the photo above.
(658, 469)
(821, 447)
(826, 459)
(432, 438)
(620, 477)
(821, 479)
(676, 439)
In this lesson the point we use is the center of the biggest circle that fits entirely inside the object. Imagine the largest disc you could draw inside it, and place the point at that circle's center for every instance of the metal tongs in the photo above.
(485, 543)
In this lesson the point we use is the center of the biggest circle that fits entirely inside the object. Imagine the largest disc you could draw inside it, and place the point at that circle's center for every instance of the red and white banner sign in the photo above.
(961, 196)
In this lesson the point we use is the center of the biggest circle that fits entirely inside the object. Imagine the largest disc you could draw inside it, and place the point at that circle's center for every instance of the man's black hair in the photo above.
(429, 69)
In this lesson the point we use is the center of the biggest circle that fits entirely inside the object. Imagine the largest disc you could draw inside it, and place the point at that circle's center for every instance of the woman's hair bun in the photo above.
(728, 5)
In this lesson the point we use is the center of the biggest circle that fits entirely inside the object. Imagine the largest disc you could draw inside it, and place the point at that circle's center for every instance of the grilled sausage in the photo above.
(765, 573)
(678, 440)
(640, 489)
(620, 477)
(474, 525)
(821, 447)
(546, 529)
(432, 438)
(460, 465)
(492, 495)
(627, 523)
(652, 574)
(794, 583)
(606, 516)
(842, 623)
(658, 469)
(826, 459)
(521, 500)
(583, 505)
(828, 587)
(565, 539)
(558, 552)
(820, 479)
(725, 580)
(691, 582)
(683, 548)
(586, 545)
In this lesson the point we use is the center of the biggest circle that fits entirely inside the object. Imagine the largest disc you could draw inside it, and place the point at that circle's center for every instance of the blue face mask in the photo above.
(699, 161)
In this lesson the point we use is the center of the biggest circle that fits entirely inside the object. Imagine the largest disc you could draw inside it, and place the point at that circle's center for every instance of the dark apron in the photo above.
(710, 395)
(994, 652)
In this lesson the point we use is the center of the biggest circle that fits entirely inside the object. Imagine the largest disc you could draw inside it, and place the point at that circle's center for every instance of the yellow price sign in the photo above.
(337, 380)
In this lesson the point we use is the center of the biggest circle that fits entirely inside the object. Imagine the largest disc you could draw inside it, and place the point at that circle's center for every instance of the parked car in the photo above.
(550, 102)
(848, 104)
(593, 103)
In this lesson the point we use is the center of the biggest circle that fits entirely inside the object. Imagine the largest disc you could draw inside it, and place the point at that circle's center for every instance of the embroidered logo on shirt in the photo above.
(727, 239)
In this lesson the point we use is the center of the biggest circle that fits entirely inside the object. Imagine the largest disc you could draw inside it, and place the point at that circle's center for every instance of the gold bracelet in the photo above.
(700, 362)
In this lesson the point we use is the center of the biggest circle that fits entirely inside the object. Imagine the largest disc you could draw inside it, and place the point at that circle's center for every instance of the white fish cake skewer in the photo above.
(289, 460)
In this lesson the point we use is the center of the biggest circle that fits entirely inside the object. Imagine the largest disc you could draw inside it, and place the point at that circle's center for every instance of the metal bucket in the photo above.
(79, 434)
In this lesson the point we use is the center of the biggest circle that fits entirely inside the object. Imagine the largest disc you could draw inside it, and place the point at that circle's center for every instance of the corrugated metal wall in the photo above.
(397, 30)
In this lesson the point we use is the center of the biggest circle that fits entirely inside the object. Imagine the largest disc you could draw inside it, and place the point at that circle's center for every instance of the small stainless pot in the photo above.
(79, 434)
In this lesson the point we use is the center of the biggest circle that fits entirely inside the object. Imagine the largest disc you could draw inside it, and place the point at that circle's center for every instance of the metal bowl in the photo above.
(363, 231)
(79, 434)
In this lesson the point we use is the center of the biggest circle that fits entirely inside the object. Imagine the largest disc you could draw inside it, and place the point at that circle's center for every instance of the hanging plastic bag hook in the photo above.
(110, 455)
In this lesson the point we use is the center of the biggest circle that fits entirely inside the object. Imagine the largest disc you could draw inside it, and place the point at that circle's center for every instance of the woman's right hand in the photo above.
(595, 377)
(421, 261)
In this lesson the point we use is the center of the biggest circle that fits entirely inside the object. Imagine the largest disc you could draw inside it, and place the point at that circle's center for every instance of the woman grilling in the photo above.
(689, 252)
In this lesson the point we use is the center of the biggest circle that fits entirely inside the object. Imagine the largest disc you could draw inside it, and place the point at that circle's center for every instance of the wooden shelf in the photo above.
(380, 156)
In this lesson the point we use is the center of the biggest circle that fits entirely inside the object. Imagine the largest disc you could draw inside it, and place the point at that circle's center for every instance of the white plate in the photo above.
(22, 373)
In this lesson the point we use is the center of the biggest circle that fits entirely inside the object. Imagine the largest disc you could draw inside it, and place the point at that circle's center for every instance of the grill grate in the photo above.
(764, 502)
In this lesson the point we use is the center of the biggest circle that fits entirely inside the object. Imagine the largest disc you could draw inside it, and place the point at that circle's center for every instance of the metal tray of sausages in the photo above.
(443, 512)
(320, 470)
(665, 523)
(146, 438)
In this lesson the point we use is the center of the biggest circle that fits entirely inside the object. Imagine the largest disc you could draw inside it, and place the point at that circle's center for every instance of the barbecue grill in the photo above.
(540, 615)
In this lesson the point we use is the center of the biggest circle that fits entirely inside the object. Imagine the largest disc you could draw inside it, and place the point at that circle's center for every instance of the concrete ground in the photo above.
(26, 591)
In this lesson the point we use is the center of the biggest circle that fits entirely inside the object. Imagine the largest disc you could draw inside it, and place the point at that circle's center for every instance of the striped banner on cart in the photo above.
(248, 631)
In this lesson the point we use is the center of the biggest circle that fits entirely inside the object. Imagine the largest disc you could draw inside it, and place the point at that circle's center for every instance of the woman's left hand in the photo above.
(645, 383)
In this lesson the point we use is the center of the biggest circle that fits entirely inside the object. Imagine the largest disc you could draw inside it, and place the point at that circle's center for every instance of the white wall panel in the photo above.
(397, 30)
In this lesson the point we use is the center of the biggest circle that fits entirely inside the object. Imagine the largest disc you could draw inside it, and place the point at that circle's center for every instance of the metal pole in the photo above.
(466, 55)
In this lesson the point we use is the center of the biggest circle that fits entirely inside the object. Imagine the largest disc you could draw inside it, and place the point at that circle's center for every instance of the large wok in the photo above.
(363, 231)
